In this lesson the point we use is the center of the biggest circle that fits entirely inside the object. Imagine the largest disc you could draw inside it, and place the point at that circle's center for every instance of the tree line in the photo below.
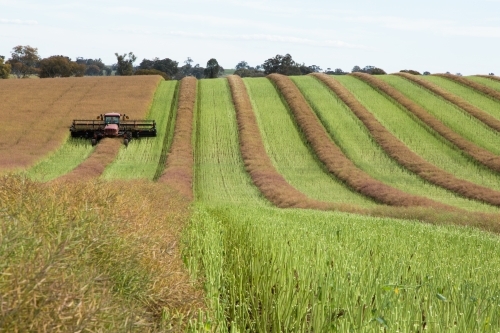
(25, 62)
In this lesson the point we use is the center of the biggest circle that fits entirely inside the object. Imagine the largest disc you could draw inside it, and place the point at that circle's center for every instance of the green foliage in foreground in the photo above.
(271, 270)
(73, 152)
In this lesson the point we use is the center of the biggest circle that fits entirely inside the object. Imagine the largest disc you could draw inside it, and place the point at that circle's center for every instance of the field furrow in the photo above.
(482, 155)
(220, 171)
(258, 164)
(178, 173)
(486, 80)
(357, 143)
(474, 103)
(417, 136)
(467, 126)
(335, 160)
(472, 84)
(491, 77)
(104, 153)
(143, 156)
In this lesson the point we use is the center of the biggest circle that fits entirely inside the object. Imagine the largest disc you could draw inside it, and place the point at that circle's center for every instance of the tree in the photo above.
(213, 70)
(243, 72)
(93, 70)
(427, 73)
(152, 72)
(60, 66)
(242, 65)
(125, 64)
(4, 68)
(491, 73)
(356, 69)
(281, 64)
(168, 66)
(24, 60)
(410, 71)
(91, 65)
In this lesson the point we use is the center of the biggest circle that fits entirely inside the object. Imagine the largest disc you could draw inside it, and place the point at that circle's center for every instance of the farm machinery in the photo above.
(112, 125)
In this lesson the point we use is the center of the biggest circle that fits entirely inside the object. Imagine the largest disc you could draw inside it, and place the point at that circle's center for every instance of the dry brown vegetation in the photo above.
(178, 172)
(474, 85)
(101, 256)
(335, 160)
(491, 77)
(257, 163)
(104, 153)
(482, 155)
(36, 114)
(403, 155)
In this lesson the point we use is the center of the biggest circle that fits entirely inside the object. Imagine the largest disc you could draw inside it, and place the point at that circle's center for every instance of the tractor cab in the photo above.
(111, 124)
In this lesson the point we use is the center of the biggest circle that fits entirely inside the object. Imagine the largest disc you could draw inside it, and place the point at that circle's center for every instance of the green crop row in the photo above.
(418, 137)
(142, 157)
(470, 95)
(270, 270)
(220, 175)
(351, 135)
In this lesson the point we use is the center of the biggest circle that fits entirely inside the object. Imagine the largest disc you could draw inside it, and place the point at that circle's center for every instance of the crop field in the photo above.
(36, 114)
(485, 81)
(278, 204)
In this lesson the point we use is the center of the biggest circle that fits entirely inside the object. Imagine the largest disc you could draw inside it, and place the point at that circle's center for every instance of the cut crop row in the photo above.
(94, 165)
(474, 85)
(178, 173)
(289, 151)
(480, 154)
(357, 143)
(335, 161)
(453, 117)
(477, 99)
(404, 156)
(258, 164)
(486, 80)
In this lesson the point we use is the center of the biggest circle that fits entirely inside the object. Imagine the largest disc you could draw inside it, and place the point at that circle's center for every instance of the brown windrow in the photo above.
(178, 173)
(491, 77)
(461, 103)
(397, 150)
(335, 160)
(480, 154)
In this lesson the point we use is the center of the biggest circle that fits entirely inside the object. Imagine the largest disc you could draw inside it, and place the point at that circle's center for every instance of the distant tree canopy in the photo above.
(243, 69)
(24, 61)
(410, 71)
(369, 70)
(125, 64)
(167, 66)
(337, 71)
(4, 68)
(189, 70)
(152, 72)
(213, 69)
(60, 66)
(94, 67)
(427, 73)
(282, 65)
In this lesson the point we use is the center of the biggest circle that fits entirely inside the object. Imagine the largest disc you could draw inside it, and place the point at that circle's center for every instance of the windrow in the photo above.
(403, 155)
(257, 163)
(94, 165)
(492, 77)
(474, 85)
(480, 154)
(178, 173)
(334, 159)
(456, 100)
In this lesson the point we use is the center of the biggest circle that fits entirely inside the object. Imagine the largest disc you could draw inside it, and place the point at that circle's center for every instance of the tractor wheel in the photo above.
(125, 142)
(94, 142)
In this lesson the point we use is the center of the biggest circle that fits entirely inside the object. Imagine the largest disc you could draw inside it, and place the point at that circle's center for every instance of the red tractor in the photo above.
(112, 125)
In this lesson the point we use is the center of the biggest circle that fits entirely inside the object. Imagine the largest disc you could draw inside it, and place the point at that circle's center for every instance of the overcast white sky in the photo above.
(436, 36)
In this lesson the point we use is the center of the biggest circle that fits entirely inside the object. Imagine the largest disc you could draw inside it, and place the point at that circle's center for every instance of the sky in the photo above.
(426, 35)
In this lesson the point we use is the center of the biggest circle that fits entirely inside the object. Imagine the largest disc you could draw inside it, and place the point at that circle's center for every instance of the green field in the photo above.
(260, 268)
